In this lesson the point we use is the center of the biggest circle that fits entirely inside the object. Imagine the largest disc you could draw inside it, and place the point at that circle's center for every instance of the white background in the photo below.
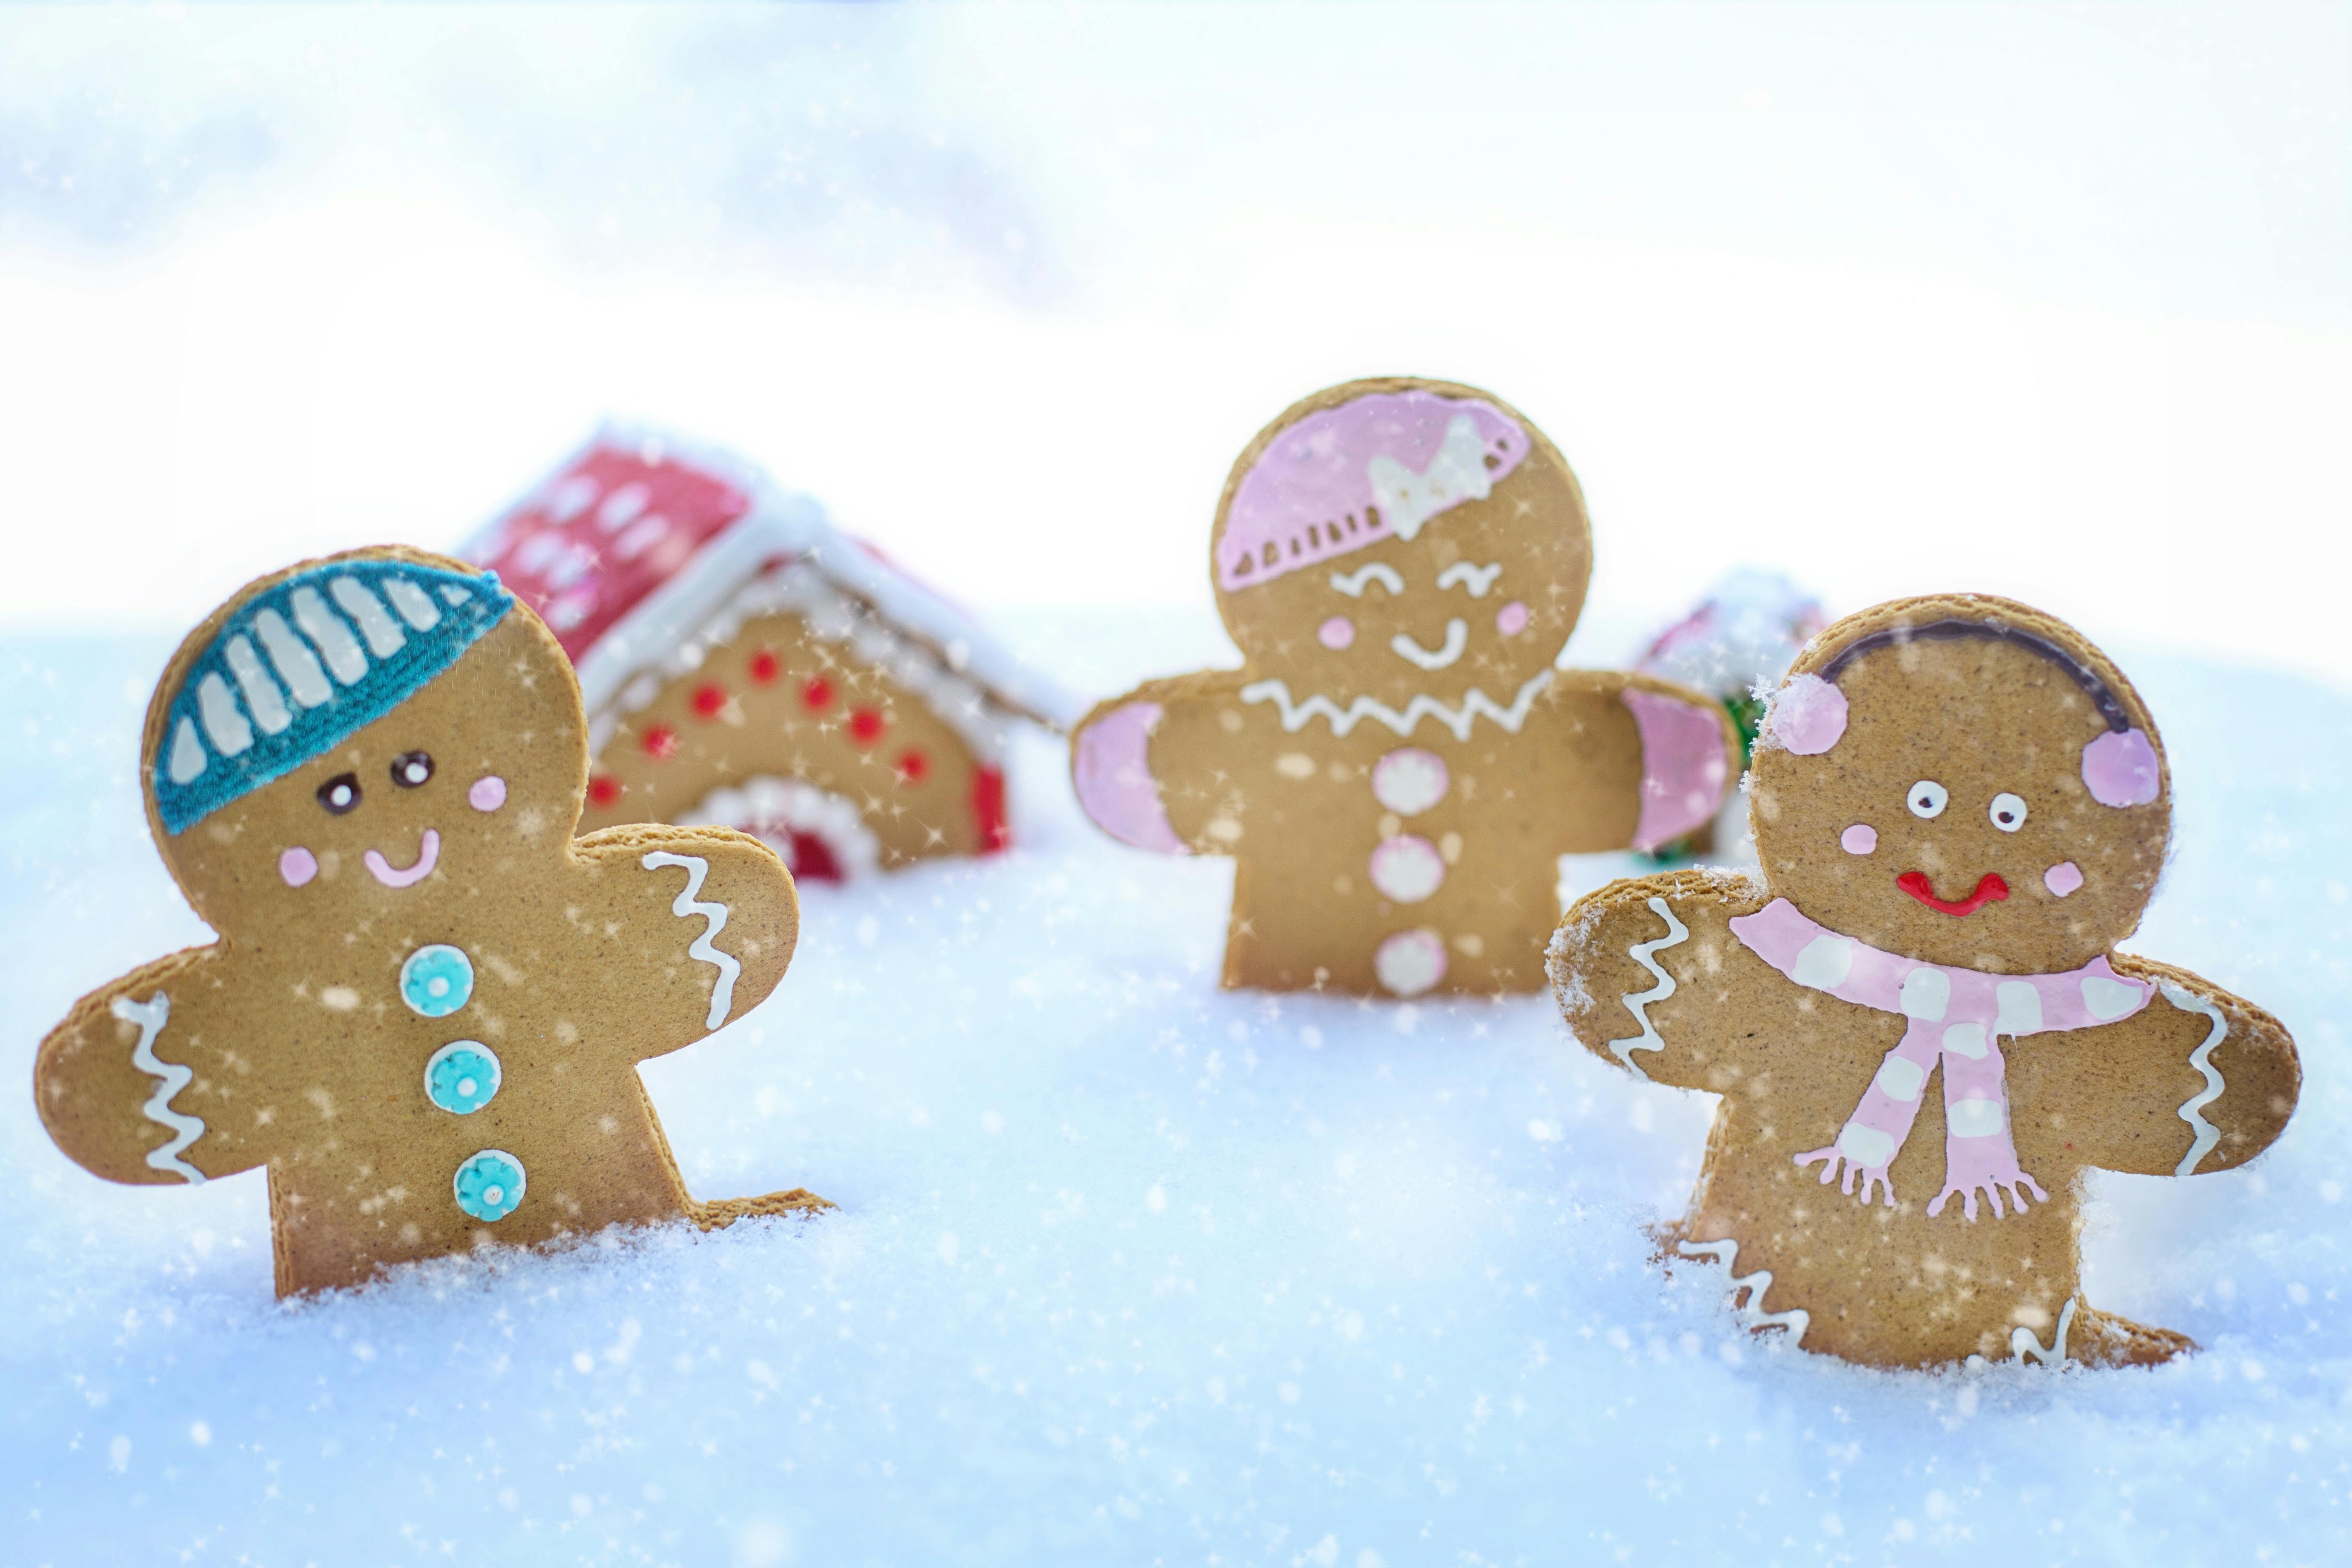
(2049, 302)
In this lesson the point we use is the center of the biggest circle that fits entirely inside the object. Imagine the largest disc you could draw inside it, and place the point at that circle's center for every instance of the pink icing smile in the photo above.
(2062, 879)
(1859, 839)
(1336, 632)
(1511, 619)
(488, 793)
(427, 852)
(297, 865)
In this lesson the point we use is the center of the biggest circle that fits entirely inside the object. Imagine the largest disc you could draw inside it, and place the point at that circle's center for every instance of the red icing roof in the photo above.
(609, 528)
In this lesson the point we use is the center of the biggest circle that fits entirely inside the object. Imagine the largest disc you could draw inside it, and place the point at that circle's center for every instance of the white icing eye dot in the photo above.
(1927, 798)
(2008, 811)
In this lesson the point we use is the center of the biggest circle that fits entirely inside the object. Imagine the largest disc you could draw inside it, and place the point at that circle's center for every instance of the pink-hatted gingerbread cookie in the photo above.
(1914, 1013)
(425, 1009)
(1398, 766)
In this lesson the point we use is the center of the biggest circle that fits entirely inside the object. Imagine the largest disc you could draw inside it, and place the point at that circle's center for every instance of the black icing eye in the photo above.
(340, 793)
(411, 768)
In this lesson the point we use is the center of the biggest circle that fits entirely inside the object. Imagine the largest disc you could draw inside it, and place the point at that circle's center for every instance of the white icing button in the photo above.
(2108, 999)
(1411, 962)
(2020, 1008)
(1966, 1040)
(1824, 963)
(1407, 868)
(1865, 1146)
(1410, 780)
(1900, 1079)
(1973, 1118)
(1926, 993)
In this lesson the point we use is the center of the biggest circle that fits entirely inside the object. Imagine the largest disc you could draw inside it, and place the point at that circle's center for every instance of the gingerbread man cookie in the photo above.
(427, 1003)
(1398, 766)
(1960, 806)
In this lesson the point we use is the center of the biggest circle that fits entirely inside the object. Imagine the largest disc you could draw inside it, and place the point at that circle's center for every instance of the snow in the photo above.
(1129, 1270)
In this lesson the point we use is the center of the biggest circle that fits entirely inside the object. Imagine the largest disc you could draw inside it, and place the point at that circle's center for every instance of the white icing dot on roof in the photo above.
(224, 721)
(384, 635)
(261, 694)
(571, 497)
(414, 605)
(642, 536)
(621, 508)
(187, 753)
(296, 665)
(334, 639)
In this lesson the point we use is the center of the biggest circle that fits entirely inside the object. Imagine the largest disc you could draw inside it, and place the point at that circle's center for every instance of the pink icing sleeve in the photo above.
(1113, 773)
(1683, 770)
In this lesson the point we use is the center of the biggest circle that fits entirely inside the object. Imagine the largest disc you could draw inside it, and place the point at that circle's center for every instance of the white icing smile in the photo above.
(427, 853)
(1457, 638)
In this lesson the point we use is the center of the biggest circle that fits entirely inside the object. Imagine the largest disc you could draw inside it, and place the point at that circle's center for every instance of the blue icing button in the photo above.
(437, 981)
(490, 1185)
(461, 1077)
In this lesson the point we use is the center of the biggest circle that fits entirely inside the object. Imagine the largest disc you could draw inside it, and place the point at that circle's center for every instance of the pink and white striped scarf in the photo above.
(1956, 1016)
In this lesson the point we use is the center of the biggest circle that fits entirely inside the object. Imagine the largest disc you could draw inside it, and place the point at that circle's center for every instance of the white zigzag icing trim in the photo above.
(1638, 1002)
(2192, 1110)
(722, 995)
(1475, 702)
(2025, 1346)
(151, 1016)
(1796, 1320)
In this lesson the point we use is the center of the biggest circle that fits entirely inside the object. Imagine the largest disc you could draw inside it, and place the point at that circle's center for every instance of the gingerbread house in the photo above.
(745, 664)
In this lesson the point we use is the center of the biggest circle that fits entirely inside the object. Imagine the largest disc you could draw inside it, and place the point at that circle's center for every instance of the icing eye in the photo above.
(2008, 811)
(340, 793)
(1927, 798)
(411, 768)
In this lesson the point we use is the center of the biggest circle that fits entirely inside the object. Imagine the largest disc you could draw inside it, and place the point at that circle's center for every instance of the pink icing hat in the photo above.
(1378, 465)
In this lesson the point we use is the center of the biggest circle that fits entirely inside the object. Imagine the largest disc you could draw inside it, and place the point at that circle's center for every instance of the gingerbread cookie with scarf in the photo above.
(1398, 766)
(425, 1009)
(1960, 806)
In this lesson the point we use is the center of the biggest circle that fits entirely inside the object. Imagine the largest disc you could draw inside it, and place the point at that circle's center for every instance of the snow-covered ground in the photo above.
(1129, 1270)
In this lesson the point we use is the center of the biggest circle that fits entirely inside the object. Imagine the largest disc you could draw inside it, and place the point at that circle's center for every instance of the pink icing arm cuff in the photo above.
(1684, 770)
(1113, 773)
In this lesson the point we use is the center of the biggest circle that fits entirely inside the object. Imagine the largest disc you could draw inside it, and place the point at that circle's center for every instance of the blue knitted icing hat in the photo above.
(304, 664)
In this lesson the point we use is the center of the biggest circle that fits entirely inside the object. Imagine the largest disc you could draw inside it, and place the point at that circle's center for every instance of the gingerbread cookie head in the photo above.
(315, 747)
(1396, 537)
(2022, 831)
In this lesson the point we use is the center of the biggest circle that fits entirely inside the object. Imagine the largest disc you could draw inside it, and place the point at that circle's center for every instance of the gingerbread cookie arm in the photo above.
(702, 920)
(2197, 1081)
(145, 1082)
(1649, 975)
(1138, 787)
(1644, 762)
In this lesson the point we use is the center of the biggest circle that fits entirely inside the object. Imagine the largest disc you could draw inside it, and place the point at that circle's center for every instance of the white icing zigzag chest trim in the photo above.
(1474, 703)
(722, 995)
(151, 1016)
(2192, 1110)
(1638, 1002)
(1796, 1320)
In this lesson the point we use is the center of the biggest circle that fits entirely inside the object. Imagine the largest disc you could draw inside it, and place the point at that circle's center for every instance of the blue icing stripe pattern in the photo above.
(306, 663)
(438, 980)
(462, 1076)
(490, 1185)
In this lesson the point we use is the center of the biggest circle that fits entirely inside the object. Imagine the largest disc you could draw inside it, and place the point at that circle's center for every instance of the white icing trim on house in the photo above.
(765, 801)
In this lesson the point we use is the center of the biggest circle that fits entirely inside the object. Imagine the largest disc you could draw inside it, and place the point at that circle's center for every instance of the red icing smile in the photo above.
(1990, 889)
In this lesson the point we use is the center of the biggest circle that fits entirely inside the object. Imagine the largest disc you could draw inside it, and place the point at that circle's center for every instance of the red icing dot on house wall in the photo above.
(709, 699)
(603, 790)
(913, 766)
(661, 742)
(765, 666)
(818, 692)
(866, 726)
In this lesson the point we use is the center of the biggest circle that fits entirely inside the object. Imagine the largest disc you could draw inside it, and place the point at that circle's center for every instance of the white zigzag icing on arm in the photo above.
(1638, 1003)
(2192, 1110)
(1796, 1320)
(151, 1016)
(1475, 702)
(1353, 583)
(722, 995)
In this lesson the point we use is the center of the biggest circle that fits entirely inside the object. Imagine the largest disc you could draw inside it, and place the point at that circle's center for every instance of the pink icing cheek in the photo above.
(488, 793)
(1336, 632)
(1511, 619)
(1859, 839)
(297, 865)
(2062, 879)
